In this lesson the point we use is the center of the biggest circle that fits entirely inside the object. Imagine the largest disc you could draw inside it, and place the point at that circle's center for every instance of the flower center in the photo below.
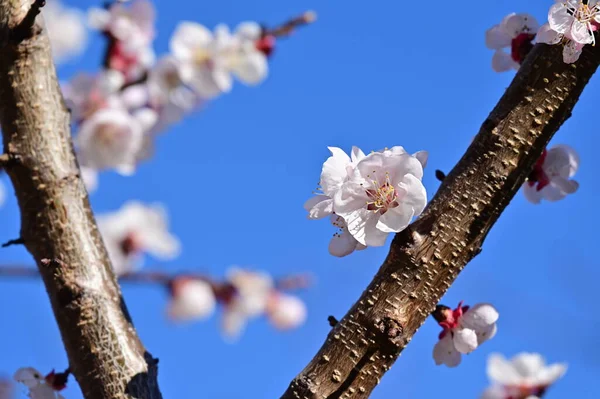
(130, 244)
(538, 174)
(383, 196)
(447, 318)
(521, 46)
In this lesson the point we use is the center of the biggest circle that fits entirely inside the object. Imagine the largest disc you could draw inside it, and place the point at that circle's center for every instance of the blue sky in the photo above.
(234, 178)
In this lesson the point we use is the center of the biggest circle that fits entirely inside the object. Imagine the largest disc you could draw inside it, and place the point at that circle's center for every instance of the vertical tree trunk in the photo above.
(57, 225)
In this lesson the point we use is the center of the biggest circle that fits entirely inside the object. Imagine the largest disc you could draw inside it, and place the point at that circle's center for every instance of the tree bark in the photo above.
(57, 225)
(425, 259)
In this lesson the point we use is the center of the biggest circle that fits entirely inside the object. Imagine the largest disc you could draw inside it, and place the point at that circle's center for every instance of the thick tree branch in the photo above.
(105, 354)
(425, 259)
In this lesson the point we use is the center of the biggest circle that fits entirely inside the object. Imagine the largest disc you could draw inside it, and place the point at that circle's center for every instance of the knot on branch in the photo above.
(391, 331)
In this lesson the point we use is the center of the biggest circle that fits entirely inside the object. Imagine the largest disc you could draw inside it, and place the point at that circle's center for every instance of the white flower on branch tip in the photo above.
(37, 384)
(551, 177)
(526, 375)
(464, 329)
(135, 229)
(113, 138)
(515, 31)
(66, 30)
(382, 196)
(209, 59)
(191, 299)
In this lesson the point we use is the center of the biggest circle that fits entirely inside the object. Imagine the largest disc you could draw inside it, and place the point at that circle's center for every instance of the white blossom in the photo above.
(191, 299)
(135, 229)
(382, 196)
(343, 243)
(573, 23)
(551, 177)
(464, 329)
(66, 30)
(113, 138)
(526, 375)
(86, 94)
(515, 31)
(252, 293)
(36, 383)
(285, 312)
(208, 60)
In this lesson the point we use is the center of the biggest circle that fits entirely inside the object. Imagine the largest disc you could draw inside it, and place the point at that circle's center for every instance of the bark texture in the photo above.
(57, 225)
(426, 258)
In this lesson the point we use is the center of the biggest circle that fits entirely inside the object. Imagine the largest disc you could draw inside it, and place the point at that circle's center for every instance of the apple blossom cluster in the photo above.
(571, 23)
(118, 112)
(40, 386)
(245, 295)
(551, 177)
(464, 329)
(367, 197)
(525, 376)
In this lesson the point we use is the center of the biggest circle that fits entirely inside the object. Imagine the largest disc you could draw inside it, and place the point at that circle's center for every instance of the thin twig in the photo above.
(290, 25)
(16, 241)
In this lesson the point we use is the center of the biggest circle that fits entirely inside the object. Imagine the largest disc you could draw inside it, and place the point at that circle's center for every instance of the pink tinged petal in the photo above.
(565, 185)
(343, 244)
(362, 225)
(552, 193)
(502, 62)
(194, 300)
(351, 197)
(422, 157)
(319, 206)
(564, 158)
(572, 51)
(521, 23)
(445, 353)
(465, 340)
(559, 18)
(497, 38)
(415, 194)
(580, 32)
(547, 35)
(501, 371)
(527, 365)
(531, 193)
(480, 316)
(286, 312)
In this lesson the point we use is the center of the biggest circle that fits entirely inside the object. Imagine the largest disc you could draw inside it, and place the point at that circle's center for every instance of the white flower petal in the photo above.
(547, 35)
(465, 340)
(502, 62)
(362, 224)
(319, 206)
(187, 38)
(487, 333)
(552, 193)
(286, 312)
(422, 157)
(343, 244)
(581, 33)
(480, 316)
(192, 300)
(445, 353)
(334, 171)
(548, 375)
(251, 68)
(572, 51)
(501, 371)
(497, 38)
(29, 377)
(559, 18)
(531, 193)
(528, 364)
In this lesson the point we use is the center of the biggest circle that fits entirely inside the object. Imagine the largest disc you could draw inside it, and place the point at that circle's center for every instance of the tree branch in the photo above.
(425, 259)
(105, 354)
